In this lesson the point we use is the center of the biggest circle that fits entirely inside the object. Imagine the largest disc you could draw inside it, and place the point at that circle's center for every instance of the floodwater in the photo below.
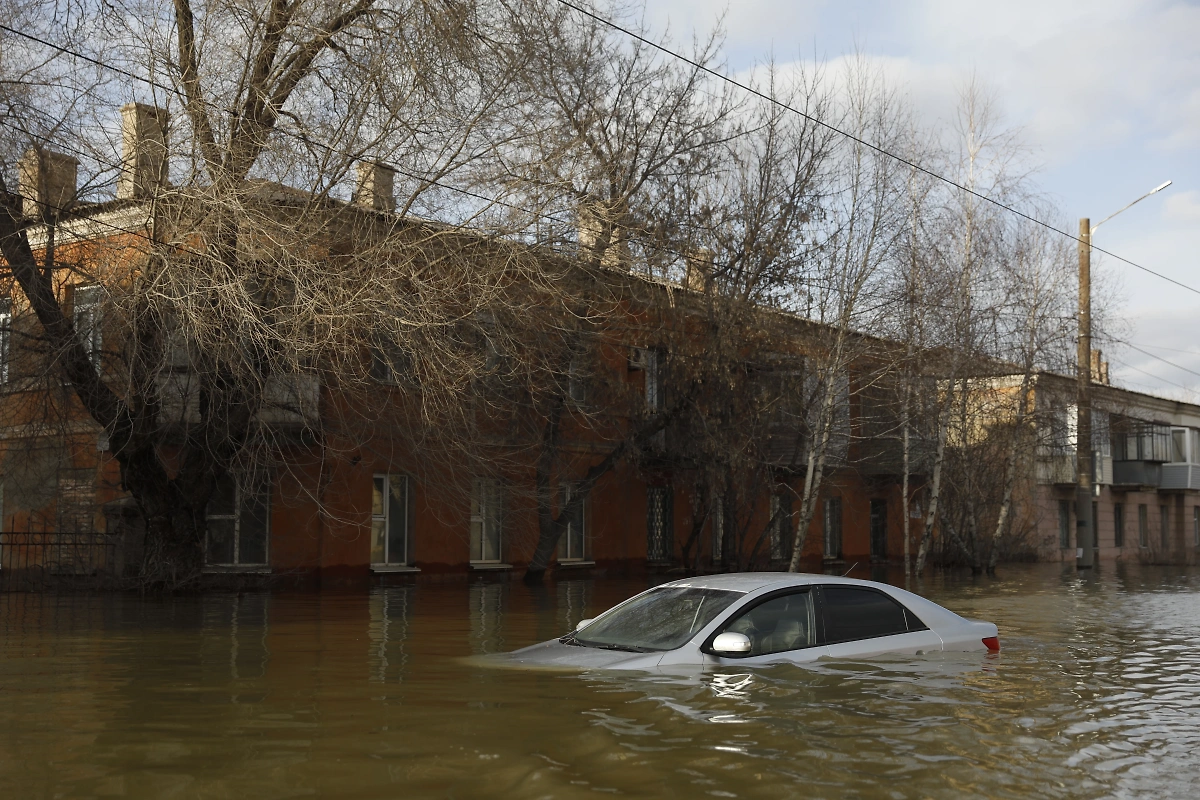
(270, 695)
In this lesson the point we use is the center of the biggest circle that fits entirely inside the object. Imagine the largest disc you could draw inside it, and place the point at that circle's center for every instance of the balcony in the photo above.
(1057, 469)
(1137, 473)
(1177, 477)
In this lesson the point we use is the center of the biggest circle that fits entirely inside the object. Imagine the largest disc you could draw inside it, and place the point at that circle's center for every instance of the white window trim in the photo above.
(405, 565)
(485, 517)
(564, 543)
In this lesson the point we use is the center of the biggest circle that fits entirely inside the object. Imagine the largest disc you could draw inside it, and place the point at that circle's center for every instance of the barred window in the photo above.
(88, 322)
(660, 528)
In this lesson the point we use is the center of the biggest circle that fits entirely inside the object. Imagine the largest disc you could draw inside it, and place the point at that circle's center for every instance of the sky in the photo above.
(1106, 94)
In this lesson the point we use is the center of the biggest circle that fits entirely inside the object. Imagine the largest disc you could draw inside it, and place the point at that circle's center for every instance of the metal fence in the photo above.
(35, 561)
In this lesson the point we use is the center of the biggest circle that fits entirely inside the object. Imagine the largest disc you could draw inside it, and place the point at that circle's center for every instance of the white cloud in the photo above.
(1183, 207)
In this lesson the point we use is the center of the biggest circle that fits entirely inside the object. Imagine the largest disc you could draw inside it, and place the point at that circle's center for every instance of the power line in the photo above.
(543, 215)
(858, 140)
(1155, 377)
(1159, 358)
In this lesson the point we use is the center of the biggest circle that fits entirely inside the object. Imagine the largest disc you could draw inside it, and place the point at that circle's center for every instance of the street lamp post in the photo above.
(1084, 524)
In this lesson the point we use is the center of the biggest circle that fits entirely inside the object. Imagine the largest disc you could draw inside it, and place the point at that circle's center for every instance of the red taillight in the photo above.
(992, 643)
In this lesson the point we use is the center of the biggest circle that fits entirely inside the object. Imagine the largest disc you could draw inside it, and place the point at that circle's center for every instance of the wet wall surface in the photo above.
(268, 695)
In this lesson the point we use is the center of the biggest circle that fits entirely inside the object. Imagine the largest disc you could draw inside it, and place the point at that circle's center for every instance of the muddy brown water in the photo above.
(270, 695)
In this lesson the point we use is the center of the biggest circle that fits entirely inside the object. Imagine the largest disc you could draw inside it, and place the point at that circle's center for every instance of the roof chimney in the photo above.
(143, 151)
(376, 182)
(601, 234)
(699, 269)
(1099, 368)
(46, 181)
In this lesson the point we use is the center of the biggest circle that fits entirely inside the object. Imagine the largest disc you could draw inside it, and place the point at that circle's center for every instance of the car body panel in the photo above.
(947, 630)
(911, 643)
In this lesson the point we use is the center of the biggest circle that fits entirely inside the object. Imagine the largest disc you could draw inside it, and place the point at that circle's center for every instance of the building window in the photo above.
(577, 382)
(1143, 526)
(390, 508)
(781, 526)
(1095, 526)
(486, 521)
(649, 361)
(238, 520)
(87, 318)
(390, 364)
(1195, 525)
(5, 336)
(1164, 528)
(879, 529)
(573, 546)
(833, 527)
(1118, 525)
(1064, 524)
(717, 526)
(660, 526)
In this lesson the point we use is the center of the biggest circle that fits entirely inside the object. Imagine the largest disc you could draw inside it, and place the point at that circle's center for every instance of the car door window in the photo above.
(785, 622)
(852, 613)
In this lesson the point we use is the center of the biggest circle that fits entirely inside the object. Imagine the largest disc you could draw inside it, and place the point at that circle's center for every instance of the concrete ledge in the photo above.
(488, 567)
(390, 569)
(570, 564)
(218, 569)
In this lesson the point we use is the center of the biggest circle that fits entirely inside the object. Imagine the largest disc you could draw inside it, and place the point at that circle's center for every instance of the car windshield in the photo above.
(662, 619)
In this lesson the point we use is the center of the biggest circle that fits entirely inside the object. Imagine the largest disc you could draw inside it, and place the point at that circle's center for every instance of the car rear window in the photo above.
(662, 619)
(854, 613)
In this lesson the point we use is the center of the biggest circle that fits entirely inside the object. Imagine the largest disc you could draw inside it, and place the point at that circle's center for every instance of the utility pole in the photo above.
(1084, 528)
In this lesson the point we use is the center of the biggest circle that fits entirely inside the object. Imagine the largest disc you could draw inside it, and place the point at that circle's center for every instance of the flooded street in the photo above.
(270, 695)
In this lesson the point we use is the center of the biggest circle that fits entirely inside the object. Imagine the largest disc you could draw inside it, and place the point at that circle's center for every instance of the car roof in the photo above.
(753, 581)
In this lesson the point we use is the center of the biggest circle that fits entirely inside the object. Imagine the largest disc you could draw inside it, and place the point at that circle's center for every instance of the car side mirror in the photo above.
(731, 644)
(583, 623)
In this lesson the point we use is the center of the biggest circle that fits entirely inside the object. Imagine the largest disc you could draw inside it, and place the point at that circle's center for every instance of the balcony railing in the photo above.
(1180, 476)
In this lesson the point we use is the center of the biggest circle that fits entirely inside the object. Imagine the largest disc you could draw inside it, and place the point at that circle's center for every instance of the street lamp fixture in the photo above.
(1085, 539)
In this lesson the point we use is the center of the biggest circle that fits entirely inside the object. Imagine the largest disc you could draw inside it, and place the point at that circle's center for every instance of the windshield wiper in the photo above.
(628, 648)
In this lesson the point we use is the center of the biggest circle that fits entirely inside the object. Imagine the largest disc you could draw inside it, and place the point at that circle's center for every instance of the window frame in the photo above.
(1164, 525)
(909, 616)
(239, 507)
(783, 536)
(88, 300)
(737, 612)
(1118, 524)
(487, 509)
(565, 555)
(1064, 524)
(880, 504)
(1143, 525)
(830, 504)
(716, 526)
(6, 317)
(1196, 526)
(660, 529)
(385, 517)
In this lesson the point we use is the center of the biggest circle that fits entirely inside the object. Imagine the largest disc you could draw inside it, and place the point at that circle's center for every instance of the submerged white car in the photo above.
(759, 618)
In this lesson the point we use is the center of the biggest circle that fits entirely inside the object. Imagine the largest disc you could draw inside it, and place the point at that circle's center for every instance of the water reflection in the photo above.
(365, 694)
(390, 610)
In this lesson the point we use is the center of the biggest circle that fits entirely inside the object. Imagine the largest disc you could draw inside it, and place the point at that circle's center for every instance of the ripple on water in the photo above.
(260, 695)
